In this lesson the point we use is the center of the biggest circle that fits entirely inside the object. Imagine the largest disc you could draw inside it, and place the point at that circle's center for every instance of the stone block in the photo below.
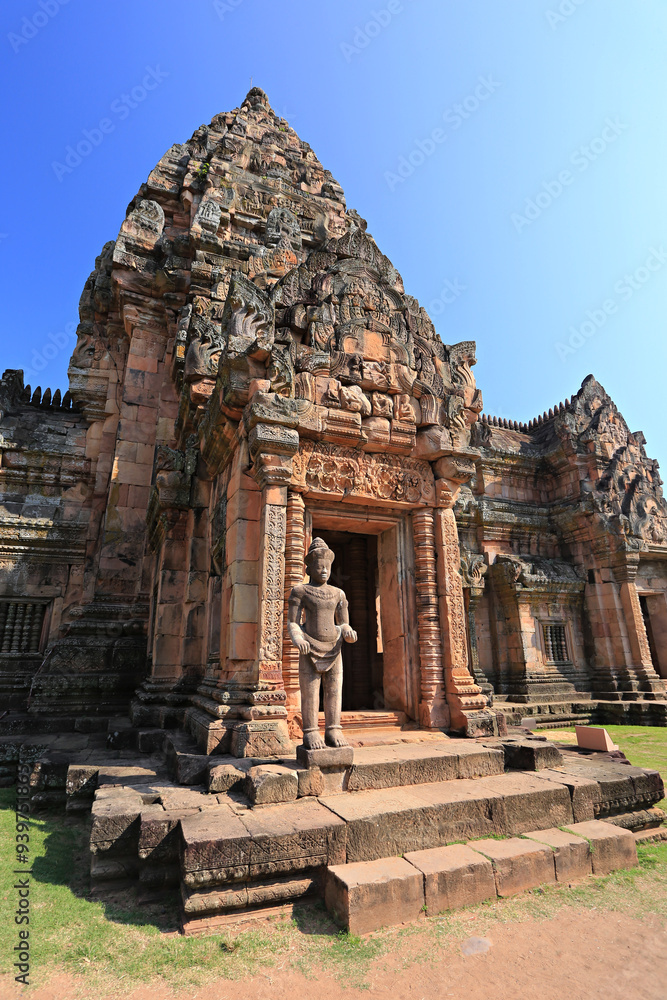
(584, 792)
(386, 822)
(311, 781)
(220, 846)
(260, 739)
(338, 757)
(612, 847)
(454, 876)
(158, 840)
(526, 754)
(528, 803)
(271, 783)
(115, 821)
(226, 778)
(517, 864)
(475, 760)
(572, 855)
(365, 896)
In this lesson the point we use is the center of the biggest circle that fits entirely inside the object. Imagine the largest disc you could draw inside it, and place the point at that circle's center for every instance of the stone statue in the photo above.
(325, 627)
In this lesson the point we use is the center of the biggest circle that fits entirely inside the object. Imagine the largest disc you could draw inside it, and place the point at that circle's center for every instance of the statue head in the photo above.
(318, 561)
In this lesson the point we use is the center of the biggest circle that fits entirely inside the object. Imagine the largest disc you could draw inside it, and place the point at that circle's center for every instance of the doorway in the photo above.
(355, 571)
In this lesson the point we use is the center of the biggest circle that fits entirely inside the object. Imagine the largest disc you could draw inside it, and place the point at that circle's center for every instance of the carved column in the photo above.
(467, 704)
(295, 538)
(433, 710)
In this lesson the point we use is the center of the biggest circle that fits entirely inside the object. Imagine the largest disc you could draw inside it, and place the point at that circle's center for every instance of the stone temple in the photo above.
(249, 374)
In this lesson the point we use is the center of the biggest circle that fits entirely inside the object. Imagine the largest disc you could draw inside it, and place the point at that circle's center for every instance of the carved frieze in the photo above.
(330, 469)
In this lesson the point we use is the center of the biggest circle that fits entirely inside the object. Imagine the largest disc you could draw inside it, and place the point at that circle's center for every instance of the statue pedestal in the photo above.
(330, 759)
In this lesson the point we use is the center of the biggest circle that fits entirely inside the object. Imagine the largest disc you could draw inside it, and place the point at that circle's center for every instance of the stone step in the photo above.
(221, 846)
(363, 896)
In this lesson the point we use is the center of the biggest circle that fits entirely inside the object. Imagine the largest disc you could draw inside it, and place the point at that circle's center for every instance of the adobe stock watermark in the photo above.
(451, 290)
(564, 10)
(22, 874)
(31, 26)
(624, 290)
(58, 342)
(374, 26)
(454, 117)
(581, 158)
(121, 109)
(224, 7)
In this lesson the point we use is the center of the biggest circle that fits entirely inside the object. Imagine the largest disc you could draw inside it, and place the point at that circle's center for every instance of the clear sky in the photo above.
(509, 156)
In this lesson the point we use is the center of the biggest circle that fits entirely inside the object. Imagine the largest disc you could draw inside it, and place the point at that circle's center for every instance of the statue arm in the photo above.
(294, 608)
(343, 619)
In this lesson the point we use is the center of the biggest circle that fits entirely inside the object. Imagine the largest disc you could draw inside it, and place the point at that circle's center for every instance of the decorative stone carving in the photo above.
(208, 216)
(282, 229)
(330, 469)
(319, 638)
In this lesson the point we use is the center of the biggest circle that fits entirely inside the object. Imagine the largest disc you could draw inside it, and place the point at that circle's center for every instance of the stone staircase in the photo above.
(240, 836)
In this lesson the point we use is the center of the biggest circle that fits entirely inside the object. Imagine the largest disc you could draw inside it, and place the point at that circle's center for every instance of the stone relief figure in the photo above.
(325, 627)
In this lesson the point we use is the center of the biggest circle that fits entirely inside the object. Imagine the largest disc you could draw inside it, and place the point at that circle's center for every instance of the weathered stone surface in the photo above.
(242, 895)
(528, 803)
(530, 754)
(226, 778)
(572, 855)
(115, 820)
(454, 876)
(311, 781)
(220, 846)
(331, 757)
(363, 897)
(271, 783)
(517, 864)
(611, 846)
(383, 823)
(584, 792)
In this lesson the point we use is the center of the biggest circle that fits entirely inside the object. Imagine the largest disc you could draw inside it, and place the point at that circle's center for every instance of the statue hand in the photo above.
(348, 633)
(302, 645)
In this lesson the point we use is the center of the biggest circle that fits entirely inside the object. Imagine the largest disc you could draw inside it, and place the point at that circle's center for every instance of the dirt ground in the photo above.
(578, 955)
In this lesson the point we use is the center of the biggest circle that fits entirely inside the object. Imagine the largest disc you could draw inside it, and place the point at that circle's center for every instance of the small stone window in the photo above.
(555, 642)
(21, 627)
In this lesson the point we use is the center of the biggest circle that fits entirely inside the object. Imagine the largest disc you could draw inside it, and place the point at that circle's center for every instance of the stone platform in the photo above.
(242, 835)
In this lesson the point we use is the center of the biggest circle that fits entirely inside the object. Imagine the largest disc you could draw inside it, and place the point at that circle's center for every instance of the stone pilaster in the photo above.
(433, 710)
(295, 551)
(467, 704)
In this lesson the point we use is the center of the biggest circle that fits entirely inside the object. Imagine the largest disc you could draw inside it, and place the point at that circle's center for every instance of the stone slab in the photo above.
(365, 896)
(220, 846)
(584, 792)
(454, 876)
(241, 895)
(572, 855)
(529, 803)
(517, 864)
(612, 847)
(387, 822)
(330, 757)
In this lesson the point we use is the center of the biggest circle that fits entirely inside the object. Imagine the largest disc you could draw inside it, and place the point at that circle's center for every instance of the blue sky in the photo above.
(509, 156)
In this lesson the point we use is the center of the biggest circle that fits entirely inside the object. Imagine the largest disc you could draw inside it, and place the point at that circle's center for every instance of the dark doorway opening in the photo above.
(355, 570)
(646, 615)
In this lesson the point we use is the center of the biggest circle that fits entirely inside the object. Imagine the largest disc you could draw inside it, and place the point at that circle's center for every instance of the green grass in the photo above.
(117, 943)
